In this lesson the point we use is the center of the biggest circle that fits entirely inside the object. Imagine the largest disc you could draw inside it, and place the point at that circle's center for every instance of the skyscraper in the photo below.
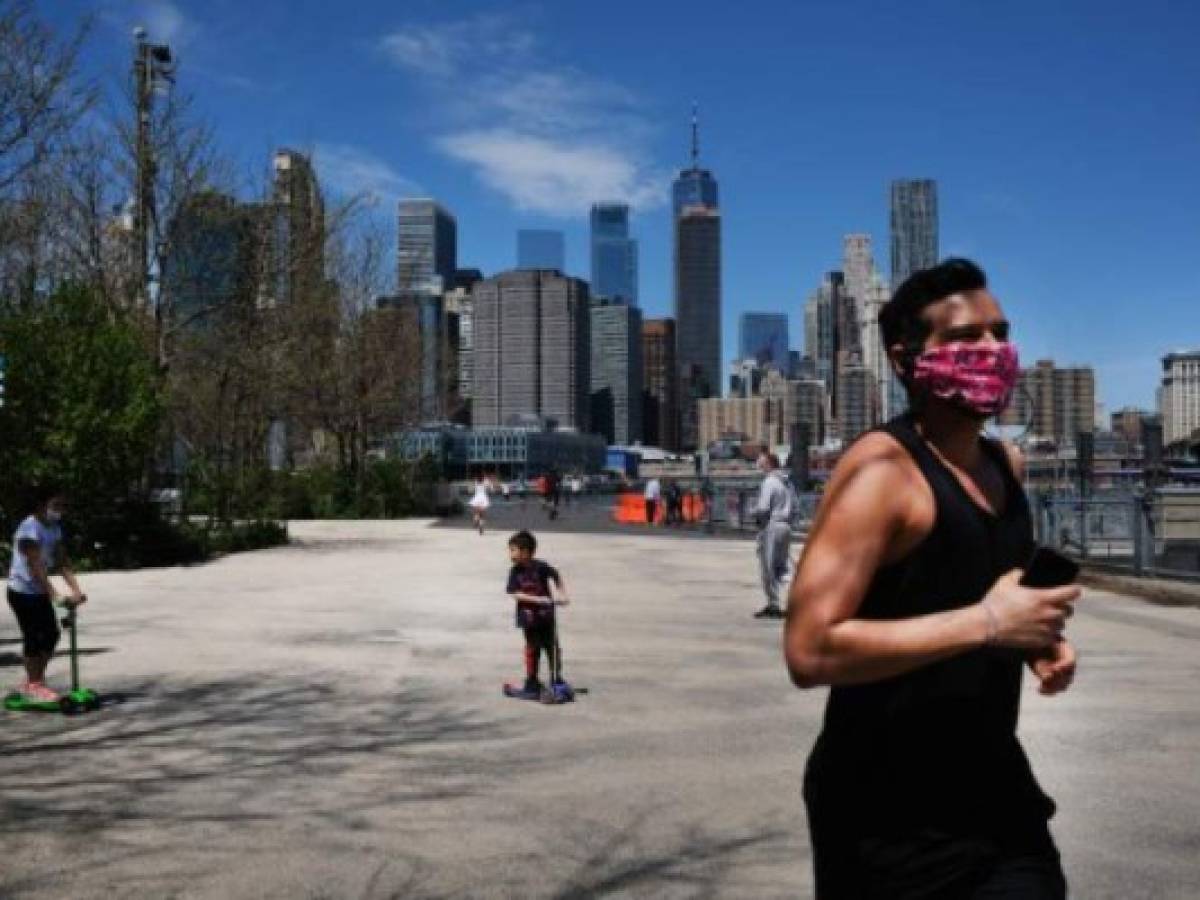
(1179, 396)
(212, 262)
(459, 310)
(763, 337)
(532, 349)
(660, 371)
(1053, 403)
(833, 337)
(297, 239)
(614, 253)
(819, 326)
(697, 312)
(616, 371)
(425, 317)
(914, 222)
(914, 227)
(541, 249)
(869, 292)
(694, 186)
(857, 397)
(428, 247)
(697, 246)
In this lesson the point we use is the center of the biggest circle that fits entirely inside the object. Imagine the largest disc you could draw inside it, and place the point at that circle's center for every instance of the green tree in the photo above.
(84, 402)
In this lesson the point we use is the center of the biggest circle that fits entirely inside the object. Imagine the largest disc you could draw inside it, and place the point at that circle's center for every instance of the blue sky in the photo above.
(1065, 136)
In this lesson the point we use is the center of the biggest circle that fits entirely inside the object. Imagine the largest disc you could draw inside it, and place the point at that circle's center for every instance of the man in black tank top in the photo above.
(906, 603)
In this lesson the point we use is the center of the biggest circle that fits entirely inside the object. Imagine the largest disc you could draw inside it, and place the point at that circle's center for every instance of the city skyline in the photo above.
(1056, 207)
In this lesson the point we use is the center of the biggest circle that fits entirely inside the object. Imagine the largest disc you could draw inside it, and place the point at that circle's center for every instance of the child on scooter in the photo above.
(537, 587)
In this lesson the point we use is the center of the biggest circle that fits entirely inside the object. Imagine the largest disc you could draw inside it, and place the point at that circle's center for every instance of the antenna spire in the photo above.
(695, 136)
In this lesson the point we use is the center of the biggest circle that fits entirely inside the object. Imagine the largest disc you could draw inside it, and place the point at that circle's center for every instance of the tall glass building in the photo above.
(541, 249)
(614, 254)
(763, 337)
(697, 290)
(914, 228)
(428, 247)
(693, 187)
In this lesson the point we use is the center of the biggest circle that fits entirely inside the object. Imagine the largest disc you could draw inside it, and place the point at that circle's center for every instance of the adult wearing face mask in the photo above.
(906, 603)
(37, 551)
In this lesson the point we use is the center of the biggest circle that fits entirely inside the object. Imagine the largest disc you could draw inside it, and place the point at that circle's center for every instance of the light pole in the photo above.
(153, 69)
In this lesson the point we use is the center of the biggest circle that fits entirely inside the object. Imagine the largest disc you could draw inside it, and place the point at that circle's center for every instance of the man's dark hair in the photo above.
(900, 320)
(772, 460)
(523, 540)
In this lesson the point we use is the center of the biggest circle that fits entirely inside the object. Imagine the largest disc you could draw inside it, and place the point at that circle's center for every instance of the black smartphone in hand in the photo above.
(1048, 568)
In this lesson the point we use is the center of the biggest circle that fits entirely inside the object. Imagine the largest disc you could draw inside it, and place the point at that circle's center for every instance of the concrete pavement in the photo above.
(324, 720)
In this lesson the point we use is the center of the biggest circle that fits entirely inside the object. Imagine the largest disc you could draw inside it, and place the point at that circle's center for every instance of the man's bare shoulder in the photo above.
(877, 488)
(876, 457)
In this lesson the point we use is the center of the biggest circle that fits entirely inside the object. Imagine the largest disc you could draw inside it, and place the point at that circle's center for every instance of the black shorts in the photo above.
(927, 864)
(39, 625)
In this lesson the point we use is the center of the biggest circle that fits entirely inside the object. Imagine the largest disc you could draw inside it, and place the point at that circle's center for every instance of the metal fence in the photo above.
(1154, 533)
(733, 507)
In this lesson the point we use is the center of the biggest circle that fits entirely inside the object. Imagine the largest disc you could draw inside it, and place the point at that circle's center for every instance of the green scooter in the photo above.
(75, 701)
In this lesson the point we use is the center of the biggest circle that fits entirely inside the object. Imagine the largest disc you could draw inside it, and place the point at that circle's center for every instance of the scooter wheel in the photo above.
(69, 707)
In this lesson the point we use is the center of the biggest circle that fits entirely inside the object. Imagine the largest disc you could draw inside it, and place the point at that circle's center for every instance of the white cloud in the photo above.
(549, 137)
(351, 171)
(445, 49)
(552, 176)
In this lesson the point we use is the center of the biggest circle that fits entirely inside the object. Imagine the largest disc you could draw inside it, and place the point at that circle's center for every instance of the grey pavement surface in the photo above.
(325, 721)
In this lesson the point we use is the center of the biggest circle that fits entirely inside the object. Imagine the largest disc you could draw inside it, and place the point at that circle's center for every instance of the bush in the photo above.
(240, 536)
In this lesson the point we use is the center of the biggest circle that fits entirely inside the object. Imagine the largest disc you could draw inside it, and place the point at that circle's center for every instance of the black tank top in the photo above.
(936, 747)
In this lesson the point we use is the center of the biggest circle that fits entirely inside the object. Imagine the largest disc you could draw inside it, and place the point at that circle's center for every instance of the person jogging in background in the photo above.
(907, 604)
(774, 511)
(38, 552)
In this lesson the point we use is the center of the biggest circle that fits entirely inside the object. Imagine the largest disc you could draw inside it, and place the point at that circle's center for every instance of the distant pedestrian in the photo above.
(652, 495)
(673, 501)
(480, 503)
(776, 506)
(553, 494)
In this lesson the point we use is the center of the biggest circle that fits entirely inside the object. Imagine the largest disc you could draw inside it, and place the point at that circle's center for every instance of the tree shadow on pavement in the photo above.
(227, 760)
(694, 860)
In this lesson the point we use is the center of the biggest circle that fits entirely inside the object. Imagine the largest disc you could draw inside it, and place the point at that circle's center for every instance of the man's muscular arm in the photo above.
(865, 515)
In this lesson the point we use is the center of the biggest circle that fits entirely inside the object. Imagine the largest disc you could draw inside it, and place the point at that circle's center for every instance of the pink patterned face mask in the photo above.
(978, 377)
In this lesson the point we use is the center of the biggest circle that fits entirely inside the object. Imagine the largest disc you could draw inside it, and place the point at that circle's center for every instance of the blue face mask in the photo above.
(53, 516)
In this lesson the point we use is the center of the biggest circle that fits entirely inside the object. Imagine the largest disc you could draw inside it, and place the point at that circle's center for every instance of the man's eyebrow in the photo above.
(978, 326)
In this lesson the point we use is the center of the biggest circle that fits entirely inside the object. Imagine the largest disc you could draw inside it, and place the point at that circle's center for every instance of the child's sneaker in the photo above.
(35, 690)
(532, 686)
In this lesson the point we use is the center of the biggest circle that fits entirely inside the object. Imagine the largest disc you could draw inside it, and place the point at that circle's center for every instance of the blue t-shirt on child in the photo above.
(533, 579)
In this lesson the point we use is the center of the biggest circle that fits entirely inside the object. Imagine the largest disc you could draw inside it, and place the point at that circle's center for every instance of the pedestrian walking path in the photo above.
(325, 720)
